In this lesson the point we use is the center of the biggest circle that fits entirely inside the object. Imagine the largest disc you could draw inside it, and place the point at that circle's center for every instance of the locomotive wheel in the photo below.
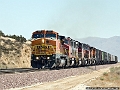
(83, 63)
(65, 64)
(90, 63)
(57, 62)
(39, 64)
(68, 62)
(77, 63)
(61, 63)
(86, 62)
(51, 64)
(93, 62)
(74, 64)
(80, 62)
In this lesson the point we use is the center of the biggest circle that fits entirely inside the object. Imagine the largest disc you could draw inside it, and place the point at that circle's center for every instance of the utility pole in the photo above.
(95, 64)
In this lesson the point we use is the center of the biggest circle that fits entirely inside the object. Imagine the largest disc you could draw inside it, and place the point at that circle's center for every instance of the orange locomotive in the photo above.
(48, 49)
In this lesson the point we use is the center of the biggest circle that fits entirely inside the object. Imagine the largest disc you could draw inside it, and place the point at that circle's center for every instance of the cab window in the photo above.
(38, 35)
(66, 41)
(53, 36)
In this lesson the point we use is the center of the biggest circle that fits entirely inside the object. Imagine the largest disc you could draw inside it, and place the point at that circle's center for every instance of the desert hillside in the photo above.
(14, 54)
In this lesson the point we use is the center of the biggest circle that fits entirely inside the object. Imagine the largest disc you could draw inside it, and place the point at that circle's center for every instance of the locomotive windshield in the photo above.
(66, 41)
(38, 36)
(50, 36)
(85, 46)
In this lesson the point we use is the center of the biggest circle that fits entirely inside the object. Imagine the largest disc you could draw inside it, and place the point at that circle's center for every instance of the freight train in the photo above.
(51, 50)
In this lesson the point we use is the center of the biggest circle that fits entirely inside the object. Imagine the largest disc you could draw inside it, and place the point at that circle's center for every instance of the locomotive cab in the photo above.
(44, 48)
(93, 52)
(49, 49)
(85, 54)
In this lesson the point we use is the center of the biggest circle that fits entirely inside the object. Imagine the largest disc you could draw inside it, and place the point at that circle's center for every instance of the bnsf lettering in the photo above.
(44, 47)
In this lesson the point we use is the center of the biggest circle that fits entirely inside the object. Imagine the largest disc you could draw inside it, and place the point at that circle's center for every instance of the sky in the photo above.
(73, 18)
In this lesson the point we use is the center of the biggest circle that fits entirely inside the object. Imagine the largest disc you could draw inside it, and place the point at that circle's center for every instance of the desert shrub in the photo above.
(1, 33)
(117, 72)
(105, 74)
(16, 37)
(112, 69)
(101, 78)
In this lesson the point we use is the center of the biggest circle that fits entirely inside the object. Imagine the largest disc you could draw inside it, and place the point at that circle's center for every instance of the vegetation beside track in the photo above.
(108, 79)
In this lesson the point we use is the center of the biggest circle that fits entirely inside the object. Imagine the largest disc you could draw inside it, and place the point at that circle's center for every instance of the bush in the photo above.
(105, 74)
(1, 33)
(16, 37)
(118, 72)
(112, 69)
(101, 78)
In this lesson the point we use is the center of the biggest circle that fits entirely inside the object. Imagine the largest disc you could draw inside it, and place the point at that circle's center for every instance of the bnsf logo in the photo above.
(44, 47)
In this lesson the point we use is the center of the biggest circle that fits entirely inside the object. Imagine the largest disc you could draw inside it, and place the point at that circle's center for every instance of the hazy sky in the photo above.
(74, 18)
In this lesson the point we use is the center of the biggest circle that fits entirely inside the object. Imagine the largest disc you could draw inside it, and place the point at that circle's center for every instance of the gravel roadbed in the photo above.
(18, 80)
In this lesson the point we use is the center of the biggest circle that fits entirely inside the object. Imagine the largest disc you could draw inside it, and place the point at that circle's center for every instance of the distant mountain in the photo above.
(111, 45)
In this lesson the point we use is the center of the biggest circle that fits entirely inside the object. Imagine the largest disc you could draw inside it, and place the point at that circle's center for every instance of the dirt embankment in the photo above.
(14, 54)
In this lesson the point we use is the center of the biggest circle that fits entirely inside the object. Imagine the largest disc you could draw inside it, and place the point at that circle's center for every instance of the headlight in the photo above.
(37, 57)
(48, 57)
(43, 40)
(72, 58)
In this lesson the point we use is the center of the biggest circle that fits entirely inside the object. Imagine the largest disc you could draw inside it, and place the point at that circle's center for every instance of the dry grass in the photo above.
(108, 79)
(14, 54)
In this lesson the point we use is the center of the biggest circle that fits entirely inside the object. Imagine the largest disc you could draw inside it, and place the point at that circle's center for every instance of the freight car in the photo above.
(49, 50)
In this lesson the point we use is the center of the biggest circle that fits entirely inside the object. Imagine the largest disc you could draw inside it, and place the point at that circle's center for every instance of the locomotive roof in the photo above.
(44, 31)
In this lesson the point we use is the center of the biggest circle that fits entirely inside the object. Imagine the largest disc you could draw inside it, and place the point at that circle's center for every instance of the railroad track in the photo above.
(17, 70)
(22, 70)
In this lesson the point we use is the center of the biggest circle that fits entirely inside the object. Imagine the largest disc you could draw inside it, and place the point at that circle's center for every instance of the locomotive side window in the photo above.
(80, 45)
